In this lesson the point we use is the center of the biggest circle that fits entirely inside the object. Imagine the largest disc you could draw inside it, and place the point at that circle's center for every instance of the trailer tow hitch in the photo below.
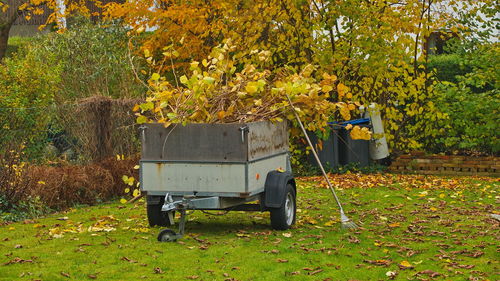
(188, 202)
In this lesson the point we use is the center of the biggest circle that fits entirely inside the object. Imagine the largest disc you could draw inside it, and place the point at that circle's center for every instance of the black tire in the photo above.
(155, 215)
(283, 218)
(167, 235)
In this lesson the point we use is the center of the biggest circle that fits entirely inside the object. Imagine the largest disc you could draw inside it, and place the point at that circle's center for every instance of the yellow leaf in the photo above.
(131, 181)
(221, 114)
(326, 88)
(136, 192)
(329, 223)
(155, 76)
(405, 264)
(127, 190)
(140, 30)
(342, 89)
(194, 64)
(251, 89)
(123, 200)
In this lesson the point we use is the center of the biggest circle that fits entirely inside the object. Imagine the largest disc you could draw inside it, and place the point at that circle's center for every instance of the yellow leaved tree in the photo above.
(374, 47)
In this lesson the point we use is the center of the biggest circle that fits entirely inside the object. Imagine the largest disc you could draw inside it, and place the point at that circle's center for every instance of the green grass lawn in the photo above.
(419, 230)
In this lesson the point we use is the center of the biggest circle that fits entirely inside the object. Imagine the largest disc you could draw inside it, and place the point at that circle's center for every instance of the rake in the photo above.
(344, 220)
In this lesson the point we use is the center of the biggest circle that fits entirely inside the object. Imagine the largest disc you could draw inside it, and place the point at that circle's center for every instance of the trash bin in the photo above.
(329, 155)
(352, 151)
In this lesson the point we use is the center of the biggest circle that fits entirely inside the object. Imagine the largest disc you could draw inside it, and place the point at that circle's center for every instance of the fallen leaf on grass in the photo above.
(157, 270)
(354, 239)
(65, 274)
(129, 260)
(17, 260)
(405, 265)
(192, 277)
(428, 272)
(475, 254)
(281, 260)
(287, 234)
(378, 262)
(274, 251)
(92, 276)
(310, 268)
(391, 274)
(315, 272)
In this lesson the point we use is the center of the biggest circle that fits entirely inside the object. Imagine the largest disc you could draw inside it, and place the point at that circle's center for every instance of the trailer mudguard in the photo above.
(275, 188)
(154, 200)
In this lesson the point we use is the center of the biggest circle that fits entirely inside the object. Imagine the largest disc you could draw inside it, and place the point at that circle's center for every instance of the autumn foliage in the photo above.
(214, 91)
(373, 47)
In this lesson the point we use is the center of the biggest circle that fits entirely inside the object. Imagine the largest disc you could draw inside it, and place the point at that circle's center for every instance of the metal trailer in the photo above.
(243, 167)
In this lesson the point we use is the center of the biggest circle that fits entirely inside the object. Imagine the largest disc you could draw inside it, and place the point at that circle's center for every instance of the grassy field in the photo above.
(412, 228)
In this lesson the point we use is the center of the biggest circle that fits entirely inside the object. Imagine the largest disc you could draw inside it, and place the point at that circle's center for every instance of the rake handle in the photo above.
(315, 154)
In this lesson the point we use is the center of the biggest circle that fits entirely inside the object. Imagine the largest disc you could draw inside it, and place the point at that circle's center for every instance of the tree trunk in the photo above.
(4, 37)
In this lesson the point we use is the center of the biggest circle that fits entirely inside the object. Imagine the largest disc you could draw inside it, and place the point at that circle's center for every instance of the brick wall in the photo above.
(451, 165)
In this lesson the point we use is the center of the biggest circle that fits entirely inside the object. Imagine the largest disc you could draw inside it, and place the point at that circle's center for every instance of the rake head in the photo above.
(346, 222)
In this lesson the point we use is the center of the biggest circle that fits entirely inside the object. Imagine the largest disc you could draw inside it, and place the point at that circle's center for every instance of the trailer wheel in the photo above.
(155, 215)
(167, 235)
(283, 218)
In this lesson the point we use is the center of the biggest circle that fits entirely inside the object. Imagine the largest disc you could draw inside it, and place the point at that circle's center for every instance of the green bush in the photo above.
(27, 89)
(472, 125)
(94, 60)
(15, 43)
(448, 66)
(472, 104)
(47, 74)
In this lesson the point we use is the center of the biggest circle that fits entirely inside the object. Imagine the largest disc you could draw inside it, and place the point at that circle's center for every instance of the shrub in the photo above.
(471, 126)
(472, 104)
(40, 84)
(448, 66)
(94, 60)
(30, 191)
(15, 43)
(16, 202)
(27, 89)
